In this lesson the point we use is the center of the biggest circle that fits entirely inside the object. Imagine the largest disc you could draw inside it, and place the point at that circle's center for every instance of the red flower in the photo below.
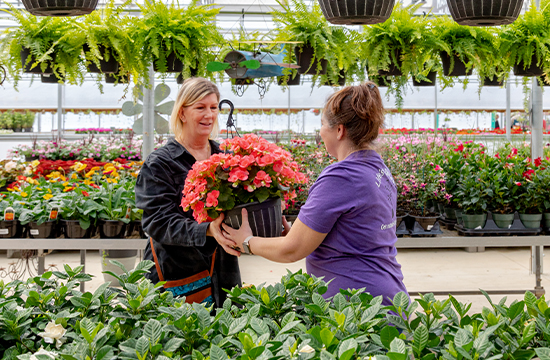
(538, 161)
(85, 193)
(460, 148)
(497, 156)
(518, 183)
(528, 174)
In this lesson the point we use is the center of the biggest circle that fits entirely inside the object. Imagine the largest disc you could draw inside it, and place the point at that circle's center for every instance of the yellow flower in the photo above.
(24, 194)
(35, 163)
(66, 183)
(78, 166)
(95, 168)
(87, 182)
(69, 188)
(134, 174)
(38, 188)
(47, 196)
(50, 191)
(74, 176)
(90, 173)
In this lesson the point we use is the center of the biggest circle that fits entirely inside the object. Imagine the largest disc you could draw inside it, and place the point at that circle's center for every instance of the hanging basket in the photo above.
(308, 66)
(532, 70)
(459, 68)
(431, 76)
(395, 68)
(25, 54)
(265, 219)
(110, 66)
(173, 64)
(112, 79)
(180, 79)
(492, 82)
(288, 80)
(485, 12)
(356, 12)
(51, 79)
(381, 81)
(60, 7)
(341, 80)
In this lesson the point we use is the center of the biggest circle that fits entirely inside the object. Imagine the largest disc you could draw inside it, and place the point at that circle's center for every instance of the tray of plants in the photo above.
(492, 226)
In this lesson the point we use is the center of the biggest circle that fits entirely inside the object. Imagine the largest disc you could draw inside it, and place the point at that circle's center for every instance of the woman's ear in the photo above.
(341, 132)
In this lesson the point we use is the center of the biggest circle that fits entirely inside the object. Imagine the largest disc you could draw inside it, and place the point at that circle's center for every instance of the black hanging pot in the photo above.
(380, 81)
(459, 67)
(173, 64)
(341, 79)
(73, 230)
(532, 70)
(308, 66)
(51, 79)
(356, 12)
(289, 80)
(112, 79)
(193, 73)
(60, 7)
(46, 230)
(111, 229)
(110, 66)
(492, 82)
(265, 219)
(25, 54)
(394, 68)
(432, 75)
(485, 12)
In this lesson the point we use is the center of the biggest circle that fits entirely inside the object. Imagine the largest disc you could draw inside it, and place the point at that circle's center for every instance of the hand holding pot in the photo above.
(215, 231)
(238, 235)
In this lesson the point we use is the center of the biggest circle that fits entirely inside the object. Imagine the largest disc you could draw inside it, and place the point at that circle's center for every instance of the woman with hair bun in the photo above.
(346, 228)
(195, 260)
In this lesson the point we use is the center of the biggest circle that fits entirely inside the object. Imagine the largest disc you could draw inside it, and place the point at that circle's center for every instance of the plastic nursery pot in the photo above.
(51, 79)
(289, 80)
(450, 213)
(492, 82)
(173, 64)
(393, 69)
(532, 70)
(432, 75)
(503, 221)
(531, 221)
(265, 218)
(110, 66)
(306, 62)
(45, 230)
(25, 53)
(459, 68)
(357, 12)
(458, 214)
(133, 227)
(426, 222)
(546, 219)
(484, 12)
(474, 221)
(9, 229)
(441, 208)
(73, 230)
(61, 8)
(111, 229)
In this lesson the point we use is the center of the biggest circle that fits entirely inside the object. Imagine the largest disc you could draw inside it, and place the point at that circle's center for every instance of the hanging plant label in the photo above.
(34, 232)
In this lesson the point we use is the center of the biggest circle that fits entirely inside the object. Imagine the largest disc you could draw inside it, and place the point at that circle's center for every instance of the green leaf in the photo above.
(347, 349)
(288, 318)
(217, 353)
(543, 353)
(420, 339)
(237, 325)
(153, 331)
(259, 326)
(401, 300)
(214, 66)
(256, 351)
(398, 346)
(142, 347)
(291, 325)
(326, 336)
(246, 341)
(387, 335)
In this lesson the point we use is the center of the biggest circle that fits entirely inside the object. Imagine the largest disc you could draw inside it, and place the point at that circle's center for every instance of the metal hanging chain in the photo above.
(230, 121)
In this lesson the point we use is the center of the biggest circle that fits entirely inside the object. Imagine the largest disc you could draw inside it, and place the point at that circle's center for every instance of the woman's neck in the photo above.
(198, 147)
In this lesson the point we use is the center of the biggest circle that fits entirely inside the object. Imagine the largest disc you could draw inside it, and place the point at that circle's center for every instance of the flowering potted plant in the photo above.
(253, 173)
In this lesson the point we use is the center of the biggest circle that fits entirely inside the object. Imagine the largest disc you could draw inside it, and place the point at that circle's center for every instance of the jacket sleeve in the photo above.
(163, 218)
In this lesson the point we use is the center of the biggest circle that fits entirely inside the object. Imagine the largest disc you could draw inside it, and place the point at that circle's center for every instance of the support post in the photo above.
(412, 121)
(60, 88)
(149, 116)
(508, 122)
(289, 137)
(477, 120)
(435, 108)
(536, 121)
(39, 124)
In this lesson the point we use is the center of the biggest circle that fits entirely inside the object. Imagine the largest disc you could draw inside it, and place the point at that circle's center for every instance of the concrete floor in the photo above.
(424, 270)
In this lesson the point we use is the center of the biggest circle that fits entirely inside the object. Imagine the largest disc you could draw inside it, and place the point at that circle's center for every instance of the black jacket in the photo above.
(181, 244)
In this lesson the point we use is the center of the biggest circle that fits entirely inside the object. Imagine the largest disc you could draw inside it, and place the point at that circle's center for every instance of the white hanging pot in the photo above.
(485, 12)
(356, 12)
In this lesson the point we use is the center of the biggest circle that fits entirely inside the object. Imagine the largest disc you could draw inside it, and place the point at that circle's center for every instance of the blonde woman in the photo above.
(194, 259)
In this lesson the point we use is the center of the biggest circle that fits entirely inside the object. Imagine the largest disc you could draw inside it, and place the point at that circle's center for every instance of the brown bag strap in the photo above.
(159, 272)
(157, 265)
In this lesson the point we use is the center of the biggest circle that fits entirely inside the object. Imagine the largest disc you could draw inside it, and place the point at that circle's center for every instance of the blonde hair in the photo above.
(193, 90)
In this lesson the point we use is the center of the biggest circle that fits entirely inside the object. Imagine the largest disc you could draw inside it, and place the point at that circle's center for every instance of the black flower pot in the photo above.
(265, 218)
(110, 66)
(492, 82)
(46, 230)
(381, 81)
(357, 12)
(289, 80)
(73, 230)
(10, 229)
(18, 129)
(308, 66)
(112, 79)
(432, 75)
(532, 70)
(111, 229)
(394, 69)
(133, 227)
(459, 67)
(341, 79)
(485, 12)
(173, 64)
(25, 54)
(180, 79)
(60, 7)
(28, 129)
(51, 79)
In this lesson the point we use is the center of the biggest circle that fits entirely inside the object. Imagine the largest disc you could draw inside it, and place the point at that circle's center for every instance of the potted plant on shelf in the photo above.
(40, 215)
(10, 226)
(176, 39)
(505, 194)
(298, 22)
(78, 213)
(525, 44)
(44, 46)
(254, 173)
(475, 193)
(530, 198)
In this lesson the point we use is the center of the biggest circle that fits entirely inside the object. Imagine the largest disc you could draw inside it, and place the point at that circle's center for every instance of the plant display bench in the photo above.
(451, 240)
(72, 244)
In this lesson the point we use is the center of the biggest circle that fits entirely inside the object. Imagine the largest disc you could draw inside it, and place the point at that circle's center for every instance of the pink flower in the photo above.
(262, 179)
(518, 183)
(212, 198)
(238, 174)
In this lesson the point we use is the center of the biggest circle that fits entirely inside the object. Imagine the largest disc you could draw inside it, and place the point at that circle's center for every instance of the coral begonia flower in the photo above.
(238, 174)
(212, 198)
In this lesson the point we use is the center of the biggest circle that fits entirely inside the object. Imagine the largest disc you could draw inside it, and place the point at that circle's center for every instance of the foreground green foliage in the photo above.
(48, 317)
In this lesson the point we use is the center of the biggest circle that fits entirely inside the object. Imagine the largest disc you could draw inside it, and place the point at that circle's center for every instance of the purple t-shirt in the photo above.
(354, 202)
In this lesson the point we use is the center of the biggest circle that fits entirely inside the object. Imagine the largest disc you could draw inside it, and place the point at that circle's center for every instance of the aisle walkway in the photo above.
(424, 270)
